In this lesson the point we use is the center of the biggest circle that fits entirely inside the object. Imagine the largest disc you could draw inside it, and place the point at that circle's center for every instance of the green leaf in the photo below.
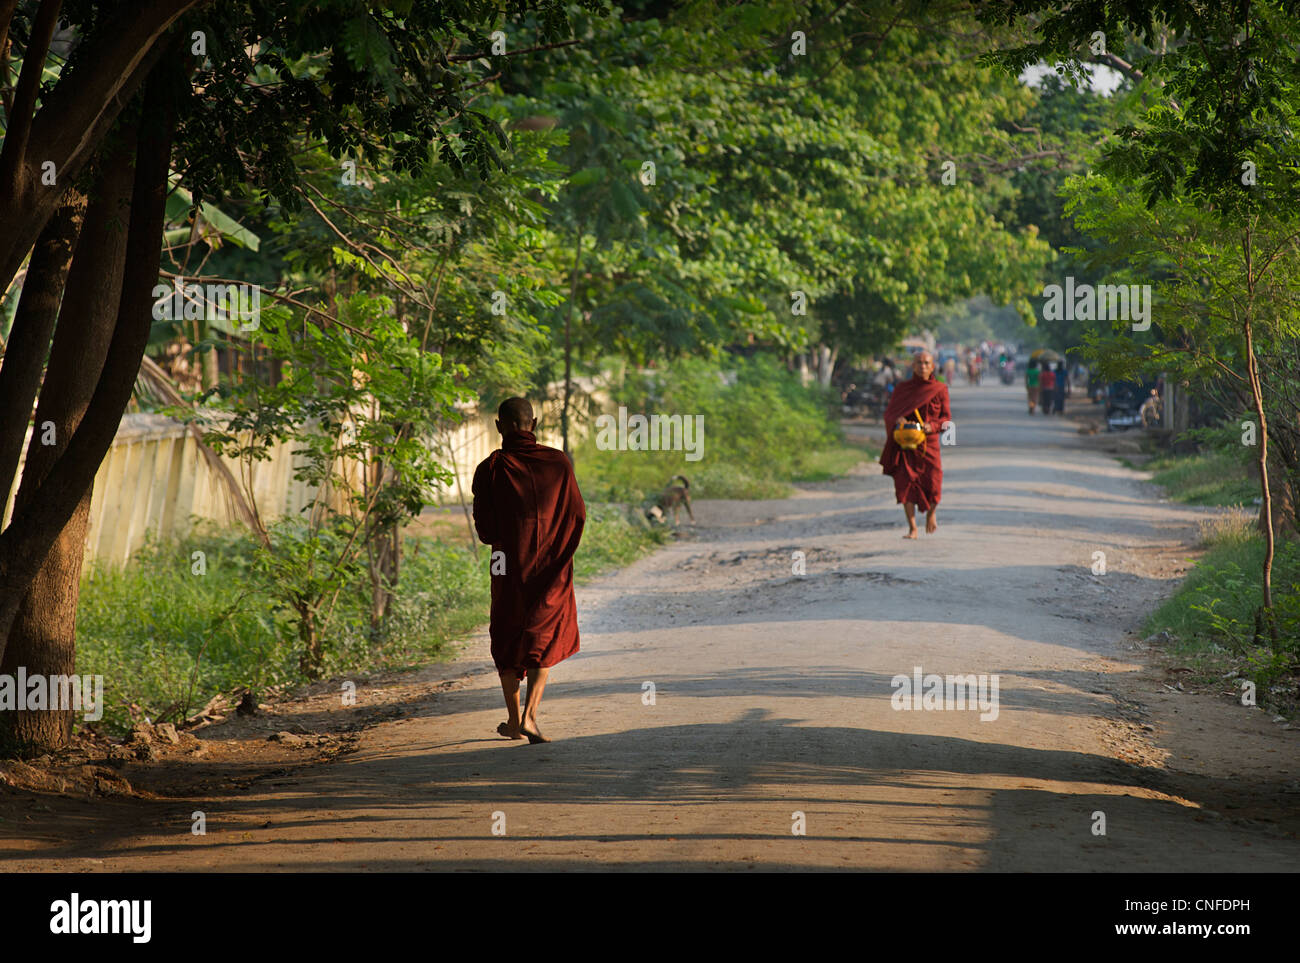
(588, 175)
(624, 200)
(179, 204)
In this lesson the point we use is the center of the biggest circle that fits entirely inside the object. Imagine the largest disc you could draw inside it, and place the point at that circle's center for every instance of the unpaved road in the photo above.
(772, 697)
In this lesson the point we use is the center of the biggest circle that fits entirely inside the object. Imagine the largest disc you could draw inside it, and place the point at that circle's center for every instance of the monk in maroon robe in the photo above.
(918, 474)
(528, 508)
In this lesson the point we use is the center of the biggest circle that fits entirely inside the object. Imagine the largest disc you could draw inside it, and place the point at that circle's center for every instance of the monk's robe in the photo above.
(918, 474)
(527, 506)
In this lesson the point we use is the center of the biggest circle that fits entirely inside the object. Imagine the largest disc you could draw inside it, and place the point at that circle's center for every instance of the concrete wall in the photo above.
(154, 480)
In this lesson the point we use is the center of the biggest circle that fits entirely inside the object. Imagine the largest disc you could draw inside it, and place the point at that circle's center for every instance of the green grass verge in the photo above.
(1211, 616)
(1215, 477)
(167, 640)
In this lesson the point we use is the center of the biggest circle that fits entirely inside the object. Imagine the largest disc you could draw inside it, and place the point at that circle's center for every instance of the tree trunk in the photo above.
(74, 118)
(38, 524)
(38, 309)
(1265, 618)
(210, 366)
(383, 548)
(825, 365)
(43, 637)
(312, 657)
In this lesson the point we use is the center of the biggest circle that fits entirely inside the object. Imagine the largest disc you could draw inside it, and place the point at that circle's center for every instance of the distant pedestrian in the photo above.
(1047, 379)
(886, 376)
(1152, 410)
(1062, 387)
(1031, 384)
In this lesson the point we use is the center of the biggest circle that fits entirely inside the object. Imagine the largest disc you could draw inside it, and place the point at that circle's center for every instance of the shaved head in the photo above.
(515, 414)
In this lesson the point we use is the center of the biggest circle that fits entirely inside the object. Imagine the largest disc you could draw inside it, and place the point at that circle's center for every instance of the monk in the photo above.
(918, 474)
(528, 508)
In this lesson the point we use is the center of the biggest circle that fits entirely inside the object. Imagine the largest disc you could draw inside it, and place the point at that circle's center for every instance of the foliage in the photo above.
(360, 400)
(1216, 604)
(762, 429)
(1217, 476)
(167, 640)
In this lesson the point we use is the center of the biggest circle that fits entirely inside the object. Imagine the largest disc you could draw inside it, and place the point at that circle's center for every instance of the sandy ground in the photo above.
(772, 698)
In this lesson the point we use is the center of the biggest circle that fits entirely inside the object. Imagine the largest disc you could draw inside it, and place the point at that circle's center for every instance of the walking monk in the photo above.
(918, 475)
(528, 508)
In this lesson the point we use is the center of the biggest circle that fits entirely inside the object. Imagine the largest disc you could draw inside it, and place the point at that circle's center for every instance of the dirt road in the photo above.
(772, 698)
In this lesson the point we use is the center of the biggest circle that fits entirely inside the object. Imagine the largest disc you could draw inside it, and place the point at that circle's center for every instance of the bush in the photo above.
(166, 638)
(1215, 605)
(763, 429)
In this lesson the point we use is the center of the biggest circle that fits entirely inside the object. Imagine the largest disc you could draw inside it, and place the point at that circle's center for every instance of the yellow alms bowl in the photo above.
(910, 436)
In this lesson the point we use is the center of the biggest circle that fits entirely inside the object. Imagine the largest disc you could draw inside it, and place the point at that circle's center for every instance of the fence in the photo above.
(155, 481)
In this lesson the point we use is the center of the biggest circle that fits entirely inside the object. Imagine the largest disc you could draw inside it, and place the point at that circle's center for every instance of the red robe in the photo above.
(527, 506)
(918, 474)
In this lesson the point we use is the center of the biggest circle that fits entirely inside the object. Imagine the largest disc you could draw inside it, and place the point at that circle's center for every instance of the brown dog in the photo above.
(673, 498)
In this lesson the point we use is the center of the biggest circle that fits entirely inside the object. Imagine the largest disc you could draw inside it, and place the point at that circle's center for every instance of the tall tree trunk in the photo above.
(43, 637)
(825, 365)
(38, 309)
(74, 118)
(1265, 617)
(33, 531)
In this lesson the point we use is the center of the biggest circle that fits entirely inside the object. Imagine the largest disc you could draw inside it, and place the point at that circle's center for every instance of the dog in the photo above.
(672, 498)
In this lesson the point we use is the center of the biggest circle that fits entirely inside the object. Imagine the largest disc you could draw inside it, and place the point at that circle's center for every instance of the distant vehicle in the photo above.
(1124, 404)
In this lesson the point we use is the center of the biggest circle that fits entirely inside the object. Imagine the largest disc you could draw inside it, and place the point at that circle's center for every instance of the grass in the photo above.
(167, 640)
(1211, 616)
(1215, 477)
(834, 461)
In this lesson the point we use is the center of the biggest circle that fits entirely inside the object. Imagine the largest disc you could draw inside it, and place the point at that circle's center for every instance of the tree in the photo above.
(1226, 86)
(359, 398)
(219, 93)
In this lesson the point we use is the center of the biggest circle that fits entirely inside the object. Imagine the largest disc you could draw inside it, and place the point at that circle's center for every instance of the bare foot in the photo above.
(505, 730)
(533, 733)
(931, 526)
(911, 534)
